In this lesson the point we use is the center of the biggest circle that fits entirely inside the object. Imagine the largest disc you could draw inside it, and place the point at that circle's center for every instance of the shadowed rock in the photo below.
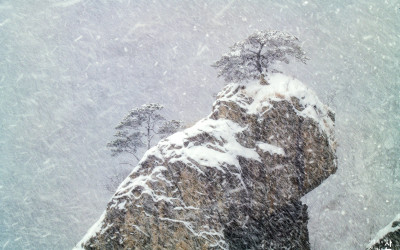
(388, 237)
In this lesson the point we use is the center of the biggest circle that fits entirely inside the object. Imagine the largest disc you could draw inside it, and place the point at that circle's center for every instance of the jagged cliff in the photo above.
(232, 181)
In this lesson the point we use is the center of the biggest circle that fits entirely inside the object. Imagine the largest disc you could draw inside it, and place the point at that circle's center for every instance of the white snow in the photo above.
(141, 181)
(78, 38)
(203, 234)
(121, 205)
(225, 149)
(282, 87)
(91, 232)
(266, 147)
(140, 230)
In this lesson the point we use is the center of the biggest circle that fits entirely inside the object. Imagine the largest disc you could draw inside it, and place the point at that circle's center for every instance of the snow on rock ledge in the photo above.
(232, 181)
(388, 237)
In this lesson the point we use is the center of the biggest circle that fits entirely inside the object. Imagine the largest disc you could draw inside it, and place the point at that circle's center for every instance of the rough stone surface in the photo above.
(388, 237)
(390, 241)
(232, 181)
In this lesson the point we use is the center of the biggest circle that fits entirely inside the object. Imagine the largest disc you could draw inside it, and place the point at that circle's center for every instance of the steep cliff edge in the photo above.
(232, 181)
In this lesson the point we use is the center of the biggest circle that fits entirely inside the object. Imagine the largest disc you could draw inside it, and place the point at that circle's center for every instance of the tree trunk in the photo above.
(148, 132)
(258, 62)
(262, 80)
(259, 67)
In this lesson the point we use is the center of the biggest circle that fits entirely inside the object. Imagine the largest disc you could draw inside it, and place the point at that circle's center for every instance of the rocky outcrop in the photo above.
(388, 237)
(232, 181)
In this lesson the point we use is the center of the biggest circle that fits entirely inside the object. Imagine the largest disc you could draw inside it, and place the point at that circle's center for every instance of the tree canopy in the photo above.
(253, 57)
(139, 127)
(137, 131)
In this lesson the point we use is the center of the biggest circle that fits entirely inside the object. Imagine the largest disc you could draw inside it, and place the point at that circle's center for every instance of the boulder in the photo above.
(232, 181)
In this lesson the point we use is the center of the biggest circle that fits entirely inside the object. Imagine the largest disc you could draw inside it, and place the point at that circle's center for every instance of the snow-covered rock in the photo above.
(388, 237)
(232, 181)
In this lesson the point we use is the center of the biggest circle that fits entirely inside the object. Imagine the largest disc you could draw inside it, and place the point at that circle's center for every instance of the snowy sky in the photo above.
(71, 70)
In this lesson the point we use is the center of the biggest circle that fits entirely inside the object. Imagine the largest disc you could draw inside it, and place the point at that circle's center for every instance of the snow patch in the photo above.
(266, 147)
(96, 228)
(141, 181)
(281, 87)
(223, 150)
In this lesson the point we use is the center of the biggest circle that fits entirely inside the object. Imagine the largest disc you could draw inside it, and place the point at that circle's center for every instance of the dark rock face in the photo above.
(232, 181)
(390, 238)
(285, 228)
(390, 241)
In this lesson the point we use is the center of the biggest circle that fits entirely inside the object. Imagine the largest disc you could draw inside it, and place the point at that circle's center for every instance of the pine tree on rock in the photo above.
(137, 131)
(253, 57)
(139, 127)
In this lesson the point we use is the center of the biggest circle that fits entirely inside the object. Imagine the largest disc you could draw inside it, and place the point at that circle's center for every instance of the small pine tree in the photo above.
(253, 57)
(137, 131)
